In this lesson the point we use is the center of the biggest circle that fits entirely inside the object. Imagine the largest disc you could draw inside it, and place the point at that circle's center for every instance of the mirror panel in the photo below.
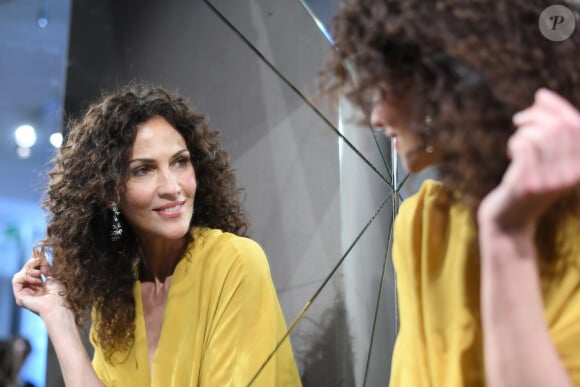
(341, 330)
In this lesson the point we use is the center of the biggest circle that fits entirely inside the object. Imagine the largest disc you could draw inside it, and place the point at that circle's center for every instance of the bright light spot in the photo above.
(56, 139)
(23, 152)
(42, 22)
(25, 136)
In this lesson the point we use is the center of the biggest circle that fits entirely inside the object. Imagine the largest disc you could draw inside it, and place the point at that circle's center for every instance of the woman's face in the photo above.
(393, 116)
(161, 185)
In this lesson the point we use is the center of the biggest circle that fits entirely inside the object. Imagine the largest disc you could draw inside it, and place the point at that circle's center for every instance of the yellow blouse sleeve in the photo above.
(562, 313)
(246, 327)
(98, 360)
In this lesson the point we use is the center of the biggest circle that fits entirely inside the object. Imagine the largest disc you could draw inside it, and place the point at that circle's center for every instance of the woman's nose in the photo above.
(168, 183)
(377, 116)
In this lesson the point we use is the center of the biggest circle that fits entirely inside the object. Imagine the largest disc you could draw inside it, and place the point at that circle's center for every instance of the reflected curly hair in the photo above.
(90, 171)
(472, 65)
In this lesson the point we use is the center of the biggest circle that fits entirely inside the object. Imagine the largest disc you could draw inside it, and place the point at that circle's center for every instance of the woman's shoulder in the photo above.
(432, 205)
(227, 248)
(429, 187)
(211, 237)
(430, 193)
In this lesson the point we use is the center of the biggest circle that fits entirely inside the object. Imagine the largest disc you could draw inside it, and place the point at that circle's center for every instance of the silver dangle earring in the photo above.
(429, 146)
(117, 229)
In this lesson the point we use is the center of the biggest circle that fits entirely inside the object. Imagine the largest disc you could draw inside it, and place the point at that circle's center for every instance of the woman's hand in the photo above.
(46, 297)
(545, 164)
(34, 293)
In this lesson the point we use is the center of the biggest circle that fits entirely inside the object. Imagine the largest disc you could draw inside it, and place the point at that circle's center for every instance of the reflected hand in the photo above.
(34, 293)
(545, 164)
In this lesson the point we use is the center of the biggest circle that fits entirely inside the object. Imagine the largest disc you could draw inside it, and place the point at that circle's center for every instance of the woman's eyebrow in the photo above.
(147, 160)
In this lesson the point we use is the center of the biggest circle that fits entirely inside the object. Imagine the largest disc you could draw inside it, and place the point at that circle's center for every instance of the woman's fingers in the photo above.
(34, 287)
(556, 104)
(30, 276)
(550, 109)
(552, 127)
(32, 269)
(46, 270)
(39, 262)
(34, 276)
(545, 154)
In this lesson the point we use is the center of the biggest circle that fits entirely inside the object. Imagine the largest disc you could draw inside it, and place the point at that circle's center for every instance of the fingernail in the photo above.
(518, 116)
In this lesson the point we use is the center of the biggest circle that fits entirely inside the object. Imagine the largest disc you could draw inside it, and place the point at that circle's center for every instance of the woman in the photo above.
(487, 259)
(144, 213)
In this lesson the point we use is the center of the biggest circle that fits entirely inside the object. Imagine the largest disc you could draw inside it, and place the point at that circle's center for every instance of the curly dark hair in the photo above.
(472, 64)
(90, 171)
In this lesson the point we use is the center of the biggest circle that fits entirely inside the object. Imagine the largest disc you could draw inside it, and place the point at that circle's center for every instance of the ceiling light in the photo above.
(25, 136)
(42, 22)
(56, 139)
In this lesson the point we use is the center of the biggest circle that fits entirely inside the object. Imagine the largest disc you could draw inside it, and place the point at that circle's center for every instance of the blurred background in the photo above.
(321, 191)
(34, 38)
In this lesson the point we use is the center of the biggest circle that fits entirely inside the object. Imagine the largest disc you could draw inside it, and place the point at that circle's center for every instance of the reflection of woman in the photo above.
(144, 211)
(488, 259)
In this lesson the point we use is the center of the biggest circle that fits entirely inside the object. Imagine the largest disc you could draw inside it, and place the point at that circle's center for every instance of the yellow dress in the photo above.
(437, 265)
(222, 319)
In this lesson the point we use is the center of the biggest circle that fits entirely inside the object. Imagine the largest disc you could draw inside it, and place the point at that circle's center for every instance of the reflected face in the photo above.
(161, 185)
(393, 116)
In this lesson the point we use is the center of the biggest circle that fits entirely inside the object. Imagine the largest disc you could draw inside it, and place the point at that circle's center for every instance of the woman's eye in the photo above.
(181, 161)
(142, 170)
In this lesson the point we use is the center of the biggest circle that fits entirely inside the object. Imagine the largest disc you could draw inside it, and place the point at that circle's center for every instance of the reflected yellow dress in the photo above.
(437, 266)
(222, 319)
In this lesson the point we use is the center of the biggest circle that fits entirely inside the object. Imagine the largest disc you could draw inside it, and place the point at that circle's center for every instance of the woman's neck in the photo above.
(160, 257)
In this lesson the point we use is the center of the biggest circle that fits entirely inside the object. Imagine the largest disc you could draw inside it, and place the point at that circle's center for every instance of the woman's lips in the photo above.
(171, 210)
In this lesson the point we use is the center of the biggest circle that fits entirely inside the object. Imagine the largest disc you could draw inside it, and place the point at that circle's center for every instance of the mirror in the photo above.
(335, 282)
